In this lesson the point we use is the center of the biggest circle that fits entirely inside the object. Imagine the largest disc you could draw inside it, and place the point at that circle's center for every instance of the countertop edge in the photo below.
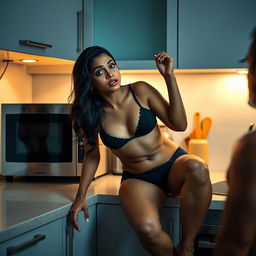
(40, 220)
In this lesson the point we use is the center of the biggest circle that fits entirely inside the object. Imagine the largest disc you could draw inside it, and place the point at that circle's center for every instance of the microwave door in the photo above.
(39, 144)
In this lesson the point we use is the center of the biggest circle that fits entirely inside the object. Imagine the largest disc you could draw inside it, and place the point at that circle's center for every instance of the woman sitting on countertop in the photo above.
(125, 118)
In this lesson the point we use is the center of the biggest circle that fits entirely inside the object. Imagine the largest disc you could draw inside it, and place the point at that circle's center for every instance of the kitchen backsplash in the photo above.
(222, 96)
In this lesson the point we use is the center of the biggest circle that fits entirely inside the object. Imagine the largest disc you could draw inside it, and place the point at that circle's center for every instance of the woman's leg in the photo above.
(141, 202)
(189, 178)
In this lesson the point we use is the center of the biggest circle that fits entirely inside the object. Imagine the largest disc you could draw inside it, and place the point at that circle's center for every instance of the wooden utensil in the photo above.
(206, 125)
(198, 131)
(192, 135)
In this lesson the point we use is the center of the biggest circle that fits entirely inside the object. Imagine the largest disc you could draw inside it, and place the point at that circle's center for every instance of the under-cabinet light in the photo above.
(242, 72)
(28, 60)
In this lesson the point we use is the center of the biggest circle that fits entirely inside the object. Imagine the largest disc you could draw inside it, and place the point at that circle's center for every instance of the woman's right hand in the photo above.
(80, 204)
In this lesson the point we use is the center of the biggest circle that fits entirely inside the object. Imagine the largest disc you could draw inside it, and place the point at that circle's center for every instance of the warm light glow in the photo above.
(28, 61)
(234, 87)
(242, 72)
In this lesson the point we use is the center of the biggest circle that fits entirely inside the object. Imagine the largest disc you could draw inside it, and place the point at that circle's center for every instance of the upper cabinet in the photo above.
(214, 34)
(52, 26)
(199, 34)
(133, 31)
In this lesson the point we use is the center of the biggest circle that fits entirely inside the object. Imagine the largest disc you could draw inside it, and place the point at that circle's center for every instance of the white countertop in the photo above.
(27, 203)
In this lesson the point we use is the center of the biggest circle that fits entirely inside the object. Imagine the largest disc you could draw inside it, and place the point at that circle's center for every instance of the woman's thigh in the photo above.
(182, 168)
(141, 201)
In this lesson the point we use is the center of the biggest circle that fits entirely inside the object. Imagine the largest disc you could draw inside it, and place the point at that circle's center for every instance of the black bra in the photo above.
(146, 123)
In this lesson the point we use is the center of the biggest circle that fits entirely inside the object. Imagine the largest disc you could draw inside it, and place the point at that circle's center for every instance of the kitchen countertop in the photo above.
(28, 203)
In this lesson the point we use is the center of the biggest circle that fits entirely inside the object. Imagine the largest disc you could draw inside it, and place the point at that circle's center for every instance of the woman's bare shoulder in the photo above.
(139, 85)
(142, 88)
(144, 91)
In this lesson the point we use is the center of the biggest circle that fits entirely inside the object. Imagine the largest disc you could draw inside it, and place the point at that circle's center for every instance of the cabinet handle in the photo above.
(35, 44)
(14, 249)
(209, 229)
(69, 241)
(171, 227)
(204, 244)
(80, 31)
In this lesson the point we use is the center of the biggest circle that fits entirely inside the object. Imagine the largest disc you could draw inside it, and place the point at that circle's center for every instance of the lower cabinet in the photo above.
(45, 240)
(206, 238)
(108, 232)
(116, 237)
(170, 219)
(83, 243)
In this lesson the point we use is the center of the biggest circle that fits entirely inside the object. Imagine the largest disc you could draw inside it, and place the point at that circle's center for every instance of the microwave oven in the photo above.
(37, 140)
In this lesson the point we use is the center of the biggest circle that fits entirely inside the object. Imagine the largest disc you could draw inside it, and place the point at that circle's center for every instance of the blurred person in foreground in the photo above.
(238, 231)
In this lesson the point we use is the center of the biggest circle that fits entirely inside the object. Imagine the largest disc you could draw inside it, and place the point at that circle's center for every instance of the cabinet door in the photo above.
(214, 34)
(46, 240)
(171, 223)
(48, 22)
(116, 237)
(133, 31)
(206, 238)
(84, 242)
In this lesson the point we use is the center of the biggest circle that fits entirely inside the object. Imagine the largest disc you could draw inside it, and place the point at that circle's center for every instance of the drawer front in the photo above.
(46, 240)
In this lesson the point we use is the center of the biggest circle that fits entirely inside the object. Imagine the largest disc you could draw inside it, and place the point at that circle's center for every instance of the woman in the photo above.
(125, 118)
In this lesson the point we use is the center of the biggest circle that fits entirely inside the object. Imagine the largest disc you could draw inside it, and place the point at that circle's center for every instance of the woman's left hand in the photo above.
(164, 63)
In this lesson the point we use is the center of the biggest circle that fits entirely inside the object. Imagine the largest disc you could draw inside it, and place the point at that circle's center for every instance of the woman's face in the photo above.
(105, 75)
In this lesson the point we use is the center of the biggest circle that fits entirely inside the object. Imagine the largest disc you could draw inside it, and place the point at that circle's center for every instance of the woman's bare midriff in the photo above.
(144, 153)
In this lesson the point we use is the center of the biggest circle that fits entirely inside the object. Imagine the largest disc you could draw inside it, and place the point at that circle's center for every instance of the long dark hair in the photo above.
(87, 109)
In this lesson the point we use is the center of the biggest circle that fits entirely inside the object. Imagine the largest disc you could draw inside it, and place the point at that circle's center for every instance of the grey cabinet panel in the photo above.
(214, 34)
(46, 240)
(47, 22)
(84, 242)
(170, 220)
(206, 237)
(116, 237)
(133, 31)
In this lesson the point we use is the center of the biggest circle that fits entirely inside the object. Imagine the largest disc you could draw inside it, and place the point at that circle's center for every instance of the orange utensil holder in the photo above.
(199, 147)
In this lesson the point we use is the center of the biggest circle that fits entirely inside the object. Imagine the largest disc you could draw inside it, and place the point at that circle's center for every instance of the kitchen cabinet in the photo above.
(206, 237)
(133, 31)
(84, 242)
(205, 241)
(116, 237)
(45, 240)
(53, 23)
(170, 219)
(214, 34)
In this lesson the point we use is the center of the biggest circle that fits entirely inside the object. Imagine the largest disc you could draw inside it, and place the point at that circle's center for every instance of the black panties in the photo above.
(157, 175)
